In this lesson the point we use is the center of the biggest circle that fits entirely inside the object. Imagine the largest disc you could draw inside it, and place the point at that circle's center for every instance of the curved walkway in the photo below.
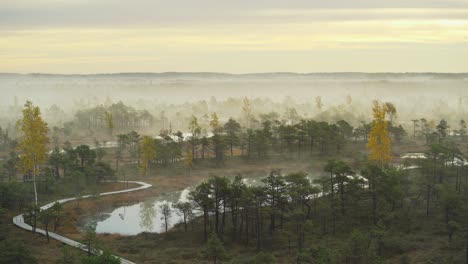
(19, 219)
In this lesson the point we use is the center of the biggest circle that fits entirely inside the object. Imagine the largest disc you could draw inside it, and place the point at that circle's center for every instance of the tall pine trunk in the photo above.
(231, 144)
(205, 222)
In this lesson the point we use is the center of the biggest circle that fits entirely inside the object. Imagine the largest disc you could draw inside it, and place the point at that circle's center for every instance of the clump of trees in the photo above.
(250, 208)
(107, 119)
(369, 206)
(293, 137)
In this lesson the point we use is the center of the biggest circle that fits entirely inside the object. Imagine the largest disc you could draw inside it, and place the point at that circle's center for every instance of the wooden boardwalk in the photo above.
(19, 219)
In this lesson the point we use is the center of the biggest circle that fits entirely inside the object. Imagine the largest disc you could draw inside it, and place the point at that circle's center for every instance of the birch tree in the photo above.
(33, 141)
(148, 153)
(379, 139)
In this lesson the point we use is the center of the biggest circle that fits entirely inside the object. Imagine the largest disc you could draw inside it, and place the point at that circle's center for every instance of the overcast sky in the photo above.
(238, 36)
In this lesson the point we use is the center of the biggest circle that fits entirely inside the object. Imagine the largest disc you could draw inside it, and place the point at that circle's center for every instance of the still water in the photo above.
(142, 217)
(145, 216)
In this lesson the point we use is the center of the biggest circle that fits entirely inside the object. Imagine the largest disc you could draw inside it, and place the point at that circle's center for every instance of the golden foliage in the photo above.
(110, 121)
(148, 152)
(214, 123)
(189, 159)
(379, 142)
(33, 139)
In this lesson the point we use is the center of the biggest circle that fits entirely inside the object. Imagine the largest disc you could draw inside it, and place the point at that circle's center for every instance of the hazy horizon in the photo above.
(179, 95)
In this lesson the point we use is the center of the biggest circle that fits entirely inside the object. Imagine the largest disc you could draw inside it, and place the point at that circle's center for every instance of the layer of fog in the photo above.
(430, 96)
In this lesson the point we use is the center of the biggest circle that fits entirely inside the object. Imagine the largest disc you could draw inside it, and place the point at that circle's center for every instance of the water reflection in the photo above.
(142, 217)
(146, 216)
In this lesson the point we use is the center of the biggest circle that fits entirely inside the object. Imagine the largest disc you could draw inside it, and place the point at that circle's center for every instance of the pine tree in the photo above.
(214, 248)
(214, 123)
(110, 122)
(166, 211)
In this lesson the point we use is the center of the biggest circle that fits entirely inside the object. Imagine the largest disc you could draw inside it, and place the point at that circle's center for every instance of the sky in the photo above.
(242, 36)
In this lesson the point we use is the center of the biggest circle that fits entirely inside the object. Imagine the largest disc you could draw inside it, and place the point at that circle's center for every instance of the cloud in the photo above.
(79, 36)
(115, 13)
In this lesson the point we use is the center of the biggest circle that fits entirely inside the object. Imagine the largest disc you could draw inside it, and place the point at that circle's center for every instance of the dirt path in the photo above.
(19, 219)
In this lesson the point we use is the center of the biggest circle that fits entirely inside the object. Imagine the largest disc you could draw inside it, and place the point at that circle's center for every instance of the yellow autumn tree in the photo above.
(147, 152)
(214, 123)
(110, 122)
(379, 142)
(33, 141)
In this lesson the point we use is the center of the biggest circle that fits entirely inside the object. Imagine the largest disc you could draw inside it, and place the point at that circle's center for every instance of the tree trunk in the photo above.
(272, 216)
(332, 187)
(57, 172)
(257, 224)
(234, 221)
(216, 214)
(56, 223)
(231, 148)
(249, 146)
(309, 209)
(247, 228)
(281, 219)
(89, 248)
(205, 220)
(334, 219)
(428, 199)
(223, 218)
(374, 208)
(193, 149)
(241, 225)
(342, 198)
(34, 183)
(47, 231)
(34, 221)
